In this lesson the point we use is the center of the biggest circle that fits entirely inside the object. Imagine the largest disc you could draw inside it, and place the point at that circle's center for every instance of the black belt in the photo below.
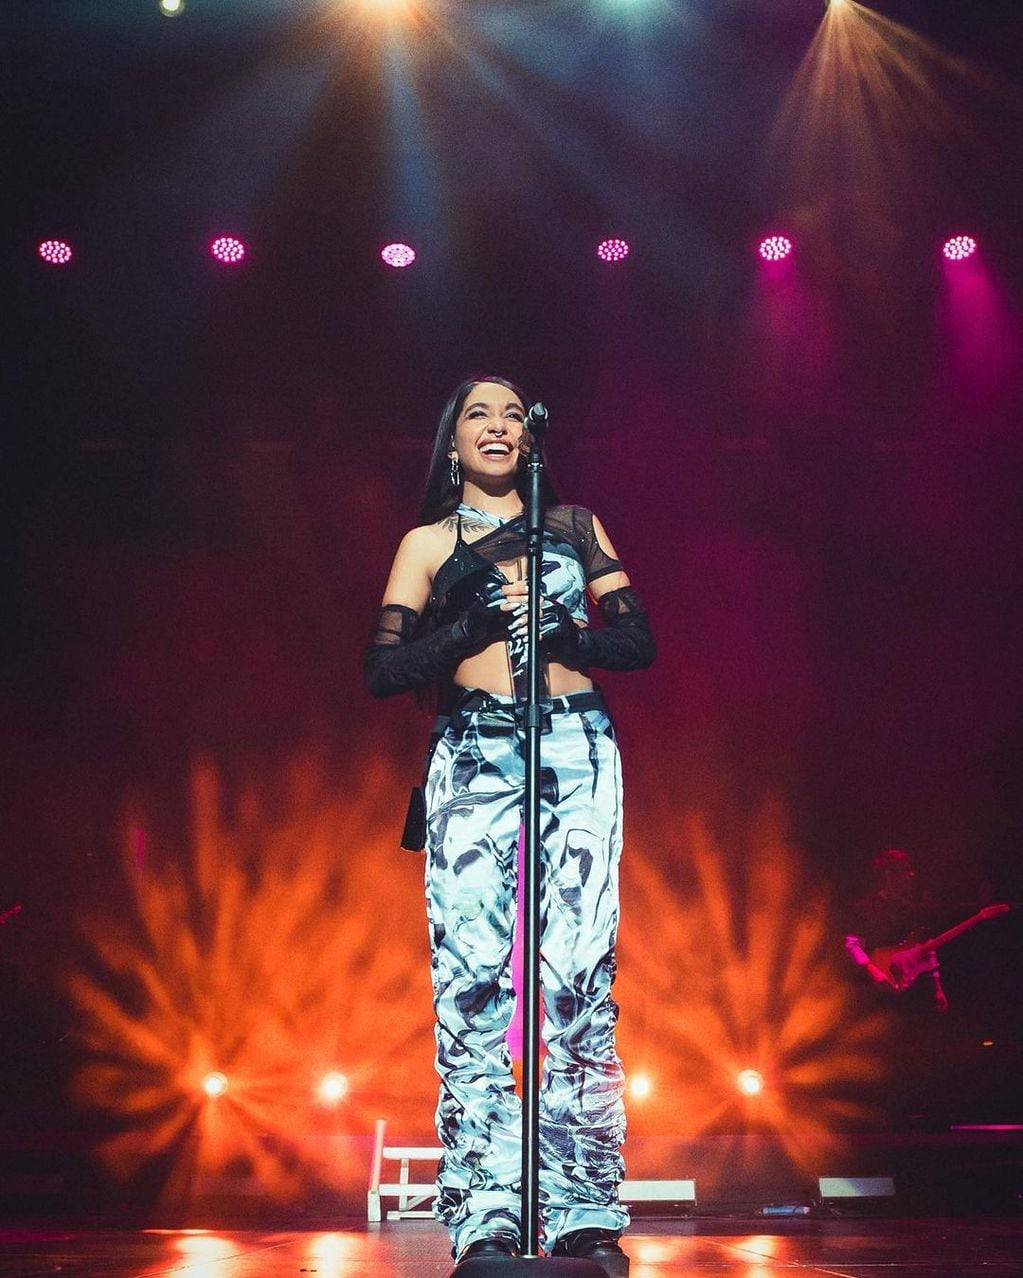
(475, 701)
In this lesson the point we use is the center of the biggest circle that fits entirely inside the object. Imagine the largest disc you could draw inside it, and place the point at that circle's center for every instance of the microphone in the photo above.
(537, 420)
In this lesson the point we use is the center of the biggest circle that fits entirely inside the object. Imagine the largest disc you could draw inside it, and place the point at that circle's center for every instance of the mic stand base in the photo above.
(528, 1267)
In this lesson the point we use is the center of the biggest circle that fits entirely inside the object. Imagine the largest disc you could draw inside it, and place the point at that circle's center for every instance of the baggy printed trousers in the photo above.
(474, 799)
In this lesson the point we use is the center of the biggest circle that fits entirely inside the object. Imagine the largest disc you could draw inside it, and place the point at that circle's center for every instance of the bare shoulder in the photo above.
(418, 541)
(412, 570)
(428, 545)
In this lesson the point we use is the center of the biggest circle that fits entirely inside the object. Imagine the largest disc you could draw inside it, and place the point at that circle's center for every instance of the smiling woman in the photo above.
(454, 615)
(489, 429)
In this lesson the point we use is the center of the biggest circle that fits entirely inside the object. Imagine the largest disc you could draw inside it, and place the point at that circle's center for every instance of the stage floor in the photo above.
(700, 1248)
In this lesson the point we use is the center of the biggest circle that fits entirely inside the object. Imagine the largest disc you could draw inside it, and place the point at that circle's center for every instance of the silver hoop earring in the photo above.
(456, 471)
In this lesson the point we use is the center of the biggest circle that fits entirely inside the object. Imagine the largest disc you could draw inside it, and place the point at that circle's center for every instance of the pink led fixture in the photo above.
(959, 247)
(55, 252)
(775, 248)
(613, 250)
(227, 249)
(398, 255)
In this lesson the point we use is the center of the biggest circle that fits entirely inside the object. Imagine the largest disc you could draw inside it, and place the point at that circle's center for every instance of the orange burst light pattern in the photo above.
(290, 939)
(273, 948)
(733, 958)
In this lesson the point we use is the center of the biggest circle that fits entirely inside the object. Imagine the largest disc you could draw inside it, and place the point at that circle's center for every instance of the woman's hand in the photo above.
(556, 624)
(487, 616)
(516, 594)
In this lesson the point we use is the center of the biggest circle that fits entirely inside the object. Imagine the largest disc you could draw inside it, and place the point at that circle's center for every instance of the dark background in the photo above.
(813, 475)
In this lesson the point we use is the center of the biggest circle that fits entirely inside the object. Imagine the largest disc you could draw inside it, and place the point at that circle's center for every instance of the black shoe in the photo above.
(487, 1249)
(598, 1245)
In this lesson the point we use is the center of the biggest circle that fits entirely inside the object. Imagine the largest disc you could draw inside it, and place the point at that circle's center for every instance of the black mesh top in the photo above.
(568, 534)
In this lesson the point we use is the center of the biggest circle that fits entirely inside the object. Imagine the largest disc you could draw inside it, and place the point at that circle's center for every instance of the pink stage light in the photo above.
(398, 255)
(55, 252)
(613, 250)
(959, 247)
(774, 248)
(227, 249)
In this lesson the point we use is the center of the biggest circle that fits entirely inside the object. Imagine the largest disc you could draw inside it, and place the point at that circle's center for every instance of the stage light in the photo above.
(640, 1086)
(398, 255)
(750, 1082)
(171, 8)
(333, 1088)
(214, 1084)
(774, 248)
(55, 252)
(959, 247)
(227, 249)
(613, 250)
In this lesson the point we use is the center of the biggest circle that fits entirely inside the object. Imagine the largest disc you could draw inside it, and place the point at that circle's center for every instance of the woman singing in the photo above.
(453, 615)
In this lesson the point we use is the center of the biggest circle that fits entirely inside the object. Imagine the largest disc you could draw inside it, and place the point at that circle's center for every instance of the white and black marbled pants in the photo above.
(474, 800)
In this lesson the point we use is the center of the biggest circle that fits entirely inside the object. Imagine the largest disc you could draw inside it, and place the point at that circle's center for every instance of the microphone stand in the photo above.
(529, 907)
(531, 1264)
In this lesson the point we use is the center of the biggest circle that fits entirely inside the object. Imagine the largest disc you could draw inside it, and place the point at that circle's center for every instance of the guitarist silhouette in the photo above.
(894, 914)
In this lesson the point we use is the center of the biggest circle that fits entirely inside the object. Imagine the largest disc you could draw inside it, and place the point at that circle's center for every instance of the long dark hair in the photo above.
(440, 497)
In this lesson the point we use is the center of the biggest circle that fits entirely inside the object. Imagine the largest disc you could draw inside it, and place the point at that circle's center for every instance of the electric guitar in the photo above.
(903, 964)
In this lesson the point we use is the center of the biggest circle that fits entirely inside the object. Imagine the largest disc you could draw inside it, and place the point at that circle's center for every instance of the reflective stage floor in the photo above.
(698, 1248)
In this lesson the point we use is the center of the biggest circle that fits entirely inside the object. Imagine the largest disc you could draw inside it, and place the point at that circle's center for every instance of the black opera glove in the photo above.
(483, 619)
(624, 643)
(396, 662)
(556, 624)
